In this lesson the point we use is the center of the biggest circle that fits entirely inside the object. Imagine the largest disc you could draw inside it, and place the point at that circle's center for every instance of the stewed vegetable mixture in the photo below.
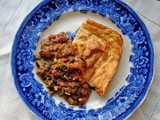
(61, 69)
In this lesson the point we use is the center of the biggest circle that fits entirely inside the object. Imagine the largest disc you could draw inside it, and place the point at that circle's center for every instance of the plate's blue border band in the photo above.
(145, 91)
(13, 61)
(13, 55)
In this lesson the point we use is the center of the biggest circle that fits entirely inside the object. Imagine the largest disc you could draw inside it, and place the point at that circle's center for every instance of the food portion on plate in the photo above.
(101, 47)
(72, 68)
(62, 70)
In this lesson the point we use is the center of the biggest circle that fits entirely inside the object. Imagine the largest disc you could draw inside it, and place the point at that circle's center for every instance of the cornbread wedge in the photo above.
(101, 47)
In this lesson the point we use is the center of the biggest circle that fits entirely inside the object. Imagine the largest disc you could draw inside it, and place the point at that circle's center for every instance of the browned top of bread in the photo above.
(101, 47)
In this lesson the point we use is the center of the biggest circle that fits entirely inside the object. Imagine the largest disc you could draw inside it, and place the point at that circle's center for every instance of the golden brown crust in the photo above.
(101, 47)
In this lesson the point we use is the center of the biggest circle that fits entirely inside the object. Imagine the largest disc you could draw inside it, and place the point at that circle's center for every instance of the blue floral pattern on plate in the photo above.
(125, 101)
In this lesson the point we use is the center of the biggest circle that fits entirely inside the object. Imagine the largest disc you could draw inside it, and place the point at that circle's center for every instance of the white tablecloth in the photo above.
(13, 12)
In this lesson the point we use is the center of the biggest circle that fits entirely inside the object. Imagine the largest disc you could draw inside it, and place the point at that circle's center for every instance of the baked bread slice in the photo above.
(101, 47)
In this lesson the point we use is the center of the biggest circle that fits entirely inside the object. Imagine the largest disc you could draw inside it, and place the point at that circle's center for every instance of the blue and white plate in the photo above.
(133, 77)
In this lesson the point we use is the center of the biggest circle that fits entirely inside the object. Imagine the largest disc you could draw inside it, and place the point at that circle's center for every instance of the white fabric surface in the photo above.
(13, 12)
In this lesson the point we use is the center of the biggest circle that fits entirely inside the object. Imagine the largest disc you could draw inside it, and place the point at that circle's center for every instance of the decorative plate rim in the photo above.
(132, 12)
(152, 58)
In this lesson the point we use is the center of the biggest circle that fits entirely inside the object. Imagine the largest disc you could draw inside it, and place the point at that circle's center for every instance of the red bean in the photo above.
(46, 53)
(51, 37)
(85, 85)
(60, 39)
(65, 60)
(65, 97)
(62, 84)
(54, 72)
(84, 100)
